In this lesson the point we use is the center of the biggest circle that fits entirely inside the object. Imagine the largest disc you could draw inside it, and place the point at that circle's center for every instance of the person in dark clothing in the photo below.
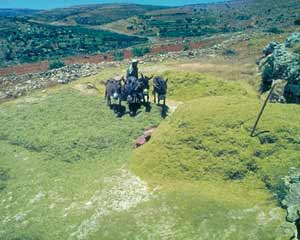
(133, 70)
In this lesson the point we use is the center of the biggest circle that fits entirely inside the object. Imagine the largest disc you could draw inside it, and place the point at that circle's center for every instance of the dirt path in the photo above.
(83, 88)
(173, 105)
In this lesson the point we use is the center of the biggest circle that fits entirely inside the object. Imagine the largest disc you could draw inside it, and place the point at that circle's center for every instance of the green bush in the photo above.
(56, 64)
(297, 22)
(230, 52)
(119, 55)
(139, 52)
(274, 30)
(186, 47)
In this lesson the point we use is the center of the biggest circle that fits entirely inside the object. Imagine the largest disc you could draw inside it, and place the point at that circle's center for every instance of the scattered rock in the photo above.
(140, 141)
(3, 96)
(63, 81)
(291, 200)
(16, 86)
(278, 93)
(91, 86)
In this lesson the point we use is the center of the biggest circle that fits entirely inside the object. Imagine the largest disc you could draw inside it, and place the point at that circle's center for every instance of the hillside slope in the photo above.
(96, 14)
(11, 12)
(23, 41)
(208, 19)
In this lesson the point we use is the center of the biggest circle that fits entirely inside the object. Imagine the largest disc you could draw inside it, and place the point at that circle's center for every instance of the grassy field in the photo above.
(57, 151)
(68, 170)
(208, 138)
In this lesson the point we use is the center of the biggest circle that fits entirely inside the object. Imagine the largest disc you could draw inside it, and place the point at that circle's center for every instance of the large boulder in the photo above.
(2, 95)
(291, 200)
(282, 61)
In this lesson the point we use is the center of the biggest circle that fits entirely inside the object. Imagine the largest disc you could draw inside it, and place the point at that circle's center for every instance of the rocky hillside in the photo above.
(17, 86)
(92, 15)
(80, 30)
(208, 19)
(23, 41)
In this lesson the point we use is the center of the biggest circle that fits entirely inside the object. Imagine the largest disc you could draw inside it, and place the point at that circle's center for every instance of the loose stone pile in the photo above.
(16, 86)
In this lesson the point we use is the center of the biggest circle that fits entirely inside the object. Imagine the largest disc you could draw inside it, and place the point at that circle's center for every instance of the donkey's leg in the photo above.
(144, 98)
(109, 101)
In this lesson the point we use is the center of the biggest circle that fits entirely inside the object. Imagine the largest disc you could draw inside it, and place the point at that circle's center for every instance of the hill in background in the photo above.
(96, 14)
(23, 41)
(208, 19)
(11, 12)
(78, 30)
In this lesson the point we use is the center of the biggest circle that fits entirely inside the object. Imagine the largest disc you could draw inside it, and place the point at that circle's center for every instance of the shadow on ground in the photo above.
(135, 109)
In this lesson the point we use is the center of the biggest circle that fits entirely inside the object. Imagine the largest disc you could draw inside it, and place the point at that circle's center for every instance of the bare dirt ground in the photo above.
(173, 105)
(85, 90)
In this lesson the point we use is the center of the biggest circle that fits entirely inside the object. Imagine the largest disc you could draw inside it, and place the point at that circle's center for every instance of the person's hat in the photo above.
(134, 61)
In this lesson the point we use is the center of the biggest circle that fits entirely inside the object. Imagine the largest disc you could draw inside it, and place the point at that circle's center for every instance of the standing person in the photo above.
(133, 70)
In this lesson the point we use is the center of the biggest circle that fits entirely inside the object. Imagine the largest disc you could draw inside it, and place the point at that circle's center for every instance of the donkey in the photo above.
(113, 89)
(132, 90)
(160, 87)
(145, 87)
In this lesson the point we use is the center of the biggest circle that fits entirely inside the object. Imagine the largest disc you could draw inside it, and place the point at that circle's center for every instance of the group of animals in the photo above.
(135, 90)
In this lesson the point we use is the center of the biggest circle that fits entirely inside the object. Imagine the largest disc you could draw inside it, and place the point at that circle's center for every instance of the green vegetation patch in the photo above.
(94, 14)
(210, 19)
(140, 51)
(208, 138)
(185, 86)
(70, 127)
(4, 176)
(59, 151)
(66, 155)
(198, 211)
(56, 64)
(23, 41)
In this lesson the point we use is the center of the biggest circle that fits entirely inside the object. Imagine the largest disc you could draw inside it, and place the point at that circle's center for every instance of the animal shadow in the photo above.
(164, 111)
(134, 109)
(147, 107)
(120, 111)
